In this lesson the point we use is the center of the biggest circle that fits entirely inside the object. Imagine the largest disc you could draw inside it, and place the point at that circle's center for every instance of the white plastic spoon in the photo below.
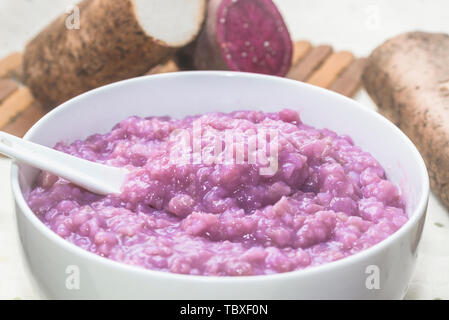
(95, 177)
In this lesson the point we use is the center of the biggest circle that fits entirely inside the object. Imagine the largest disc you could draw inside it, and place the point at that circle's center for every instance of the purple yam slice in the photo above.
(244, 35)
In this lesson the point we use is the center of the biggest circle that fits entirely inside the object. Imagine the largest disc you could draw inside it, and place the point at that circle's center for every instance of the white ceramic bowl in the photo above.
(51, 258)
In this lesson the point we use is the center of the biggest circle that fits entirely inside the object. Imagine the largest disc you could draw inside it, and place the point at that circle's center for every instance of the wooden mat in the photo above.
(320, 65)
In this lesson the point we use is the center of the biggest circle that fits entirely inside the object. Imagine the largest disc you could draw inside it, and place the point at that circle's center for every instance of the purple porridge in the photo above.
(326, 200)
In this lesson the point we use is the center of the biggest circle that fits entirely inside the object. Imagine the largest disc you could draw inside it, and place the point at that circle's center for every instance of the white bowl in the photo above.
(55, 262)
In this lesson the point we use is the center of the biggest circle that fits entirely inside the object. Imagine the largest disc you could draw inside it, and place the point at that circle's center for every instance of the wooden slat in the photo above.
(14, 105)
(310, 63)
(300, 49)
(17, 73)
(26, 119)
(169, 66)
(19, 111)
(350, 80)
(330, 69)
(7, 87)
(10, 63)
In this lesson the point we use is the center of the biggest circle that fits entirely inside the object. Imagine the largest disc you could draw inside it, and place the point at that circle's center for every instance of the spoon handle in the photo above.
(95, 177)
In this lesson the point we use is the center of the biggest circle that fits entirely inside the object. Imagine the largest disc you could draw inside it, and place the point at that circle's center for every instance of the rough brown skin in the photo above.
(109, 46)
(408, 78)
(206, 50)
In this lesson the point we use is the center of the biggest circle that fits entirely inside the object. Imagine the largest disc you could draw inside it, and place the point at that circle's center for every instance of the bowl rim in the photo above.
(69, 247)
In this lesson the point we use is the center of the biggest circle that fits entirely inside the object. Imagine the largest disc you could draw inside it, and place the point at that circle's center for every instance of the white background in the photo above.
(355, 25)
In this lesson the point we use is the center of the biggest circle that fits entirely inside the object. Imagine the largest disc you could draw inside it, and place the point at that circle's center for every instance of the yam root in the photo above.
(408, 78)
(116, 40)
(243, 35)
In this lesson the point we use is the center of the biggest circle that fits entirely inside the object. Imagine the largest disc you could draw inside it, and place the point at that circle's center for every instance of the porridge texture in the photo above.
(327, 200)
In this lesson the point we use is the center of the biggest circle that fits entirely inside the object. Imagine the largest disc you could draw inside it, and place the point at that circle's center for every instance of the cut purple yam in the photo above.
(244, 35)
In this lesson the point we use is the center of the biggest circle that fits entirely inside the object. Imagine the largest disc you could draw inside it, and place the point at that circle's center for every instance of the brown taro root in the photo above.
(408, 78)
(116, 40)
(242, 35)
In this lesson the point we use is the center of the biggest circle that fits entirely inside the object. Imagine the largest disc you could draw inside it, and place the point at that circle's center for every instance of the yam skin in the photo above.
(250, 43)
(109, 46)
(408, 78)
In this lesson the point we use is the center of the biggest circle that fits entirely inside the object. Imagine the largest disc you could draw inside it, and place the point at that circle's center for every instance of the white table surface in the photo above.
(345, 24)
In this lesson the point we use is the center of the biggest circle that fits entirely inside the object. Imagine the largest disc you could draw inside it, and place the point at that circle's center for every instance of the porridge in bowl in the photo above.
(244, 193)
